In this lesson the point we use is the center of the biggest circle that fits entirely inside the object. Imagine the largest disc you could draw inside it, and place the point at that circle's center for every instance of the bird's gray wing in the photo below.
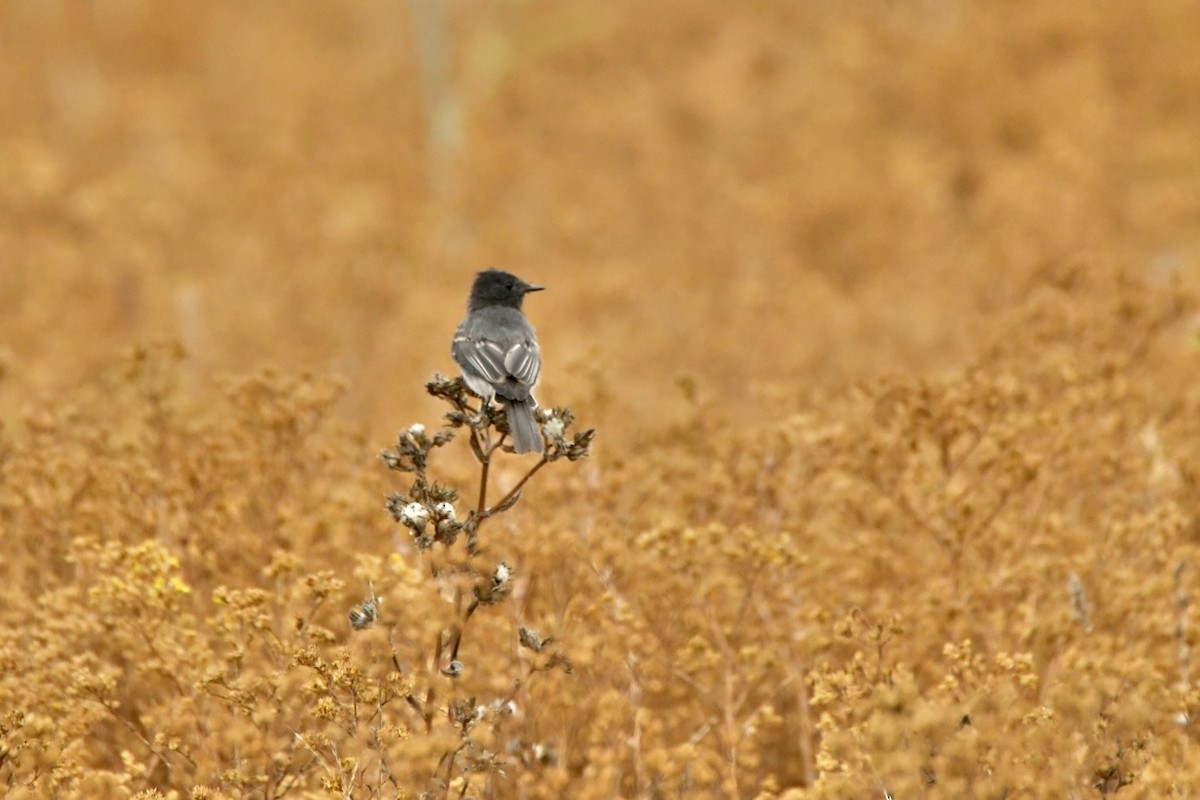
(483, 356)
(523, 361)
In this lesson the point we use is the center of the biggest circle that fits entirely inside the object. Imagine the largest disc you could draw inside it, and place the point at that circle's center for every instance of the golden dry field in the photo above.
(884, 315)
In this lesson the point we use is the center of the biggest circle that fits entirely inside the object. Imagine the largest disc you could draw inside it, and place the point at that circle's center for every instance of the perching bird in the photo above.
(497, 349)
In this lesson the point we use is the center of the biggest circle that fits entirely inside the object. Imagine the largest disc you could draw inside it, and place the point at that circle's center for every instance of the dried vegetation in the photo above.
(886, 318)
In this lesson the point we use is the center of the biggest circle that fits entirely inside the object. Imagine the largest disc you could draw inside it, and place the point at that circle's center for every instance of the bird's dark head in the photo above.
(494, 287)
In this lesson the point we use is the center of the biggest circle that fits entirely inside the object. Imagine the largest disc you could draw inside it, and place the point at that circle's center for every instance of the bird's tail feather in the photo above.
(526, 436)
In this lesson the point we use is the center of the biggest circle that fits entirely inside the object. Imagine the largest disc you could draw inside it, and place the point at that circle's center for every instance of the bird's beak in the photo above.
(529, 287)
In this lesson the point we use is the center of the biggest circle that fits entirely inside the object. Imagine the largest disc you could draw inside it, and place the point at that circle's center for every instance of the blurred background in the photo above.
(743, 212)
(757, 198)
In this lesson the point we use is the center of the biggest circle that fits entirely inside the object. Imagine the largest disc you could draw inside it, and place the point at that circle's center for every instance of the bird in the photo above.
(497, 349)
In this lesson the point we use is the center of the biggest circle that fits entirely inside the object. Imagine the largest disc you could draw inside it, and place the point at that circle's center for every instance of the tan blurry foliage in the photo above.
(861, 184)
(176, 613)
(128, 509)
(781, 576)
(972, 584)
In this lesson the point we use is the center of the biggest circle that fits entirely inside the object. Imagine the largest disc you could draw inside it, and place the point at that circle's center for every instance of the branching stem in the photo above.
(484, 514)
(486, 461)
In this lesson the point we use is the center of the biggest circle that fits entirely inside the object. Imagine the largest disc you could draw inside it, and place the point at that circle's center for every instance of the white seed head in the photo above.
(553, 427)
(416, 429)
(502, 574)
(444, 510)
(414, 514)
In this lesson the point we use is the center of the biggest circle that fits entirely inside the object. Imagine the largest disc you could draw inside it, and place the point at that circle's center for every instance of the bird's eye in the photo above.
(511, 285)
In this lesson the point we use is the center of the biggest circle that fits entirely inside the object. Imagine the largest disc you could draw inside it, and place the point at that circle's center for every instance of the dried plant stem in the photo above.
(635, 739)
(805, 742)
(731, 705)
(428, 512)
(512, 492)
(486, 449)
(794, 665)
(158, 754)
(1182, 606)
(483, 479)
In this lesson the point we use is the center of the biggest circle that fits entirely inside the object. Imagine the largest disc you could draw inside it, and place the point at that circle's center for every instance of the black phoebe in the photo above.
(498, 351)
